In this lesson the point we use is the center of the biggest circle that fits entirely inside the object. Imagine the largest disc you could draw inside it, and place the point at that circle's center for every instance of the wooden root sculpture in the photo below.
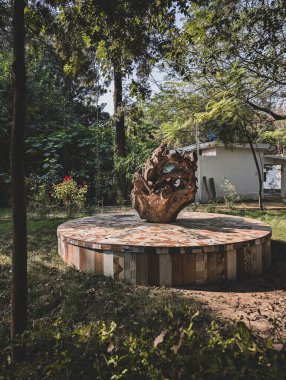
(167, 185)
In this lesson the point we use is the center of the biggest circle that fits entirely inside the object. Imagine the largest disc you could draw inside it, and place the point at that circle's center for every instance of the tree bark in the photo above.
(120, 145)
(19, 255)
(260, 200)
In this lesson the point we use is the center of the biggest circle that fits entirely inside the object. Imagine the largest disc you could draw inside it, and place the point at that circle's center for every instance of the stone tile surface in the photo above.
(197, 230)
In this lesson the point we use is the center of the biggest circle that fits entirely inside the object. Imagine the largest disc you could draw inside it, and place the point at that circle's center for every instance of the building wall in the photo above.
(236, 165)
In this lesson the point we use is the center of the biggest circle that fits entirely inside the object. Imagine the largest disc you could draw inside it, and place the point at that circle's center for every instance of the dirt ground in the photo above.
(260, 302)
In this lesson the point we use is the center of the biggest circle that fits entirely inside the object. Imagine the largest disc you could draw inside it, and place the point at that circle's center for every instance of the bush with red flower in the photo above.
(70, 194)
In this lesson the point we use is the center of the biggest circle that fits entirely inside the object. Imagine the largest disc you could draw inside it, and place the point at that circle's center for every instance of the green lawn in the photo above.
(88, 327)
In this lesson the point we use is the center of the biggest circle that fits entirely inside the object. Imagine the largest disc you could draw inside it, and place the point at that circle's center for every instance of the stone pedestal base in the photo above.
(199, 248)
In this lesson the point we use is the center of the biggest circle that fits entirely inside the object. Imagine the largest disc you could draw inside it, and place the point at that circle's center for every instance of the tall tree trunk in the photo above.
(260, 200)
(120, 148)
(19, 255)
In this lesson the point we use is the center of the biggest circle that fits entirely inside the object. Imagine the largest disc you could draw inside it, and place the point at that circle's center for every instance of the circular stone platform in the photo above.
(198, 248)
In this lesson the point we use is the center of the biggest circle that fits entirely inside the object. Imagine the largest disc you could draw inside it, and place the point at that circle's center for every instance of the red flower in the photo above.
(67, 178)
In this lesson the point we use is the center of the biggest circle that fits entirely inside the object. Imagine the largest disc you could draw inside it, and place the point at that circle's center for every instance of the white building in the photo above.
(236, 164)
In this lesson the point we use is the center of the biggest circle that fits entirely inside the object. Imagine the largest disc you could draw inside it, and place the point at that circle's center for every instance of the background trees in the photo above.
(226, 52)
(246, 36)
(127, 38)
(232, 56)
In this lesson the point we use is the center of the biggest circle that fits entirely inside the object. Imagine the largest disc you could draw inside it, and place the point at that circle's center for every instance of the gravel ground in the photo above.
(259, 301)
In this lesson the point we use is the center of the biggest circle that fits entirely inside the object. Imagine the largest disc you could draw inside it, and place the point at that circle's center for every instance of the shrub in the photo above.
(71, 195)
(211, 206)
(39, 198)
(230, 194)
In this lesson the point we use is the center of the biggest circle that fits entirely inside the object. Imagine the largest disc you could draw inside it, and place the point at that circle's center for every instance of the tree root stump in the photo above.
(166, 186)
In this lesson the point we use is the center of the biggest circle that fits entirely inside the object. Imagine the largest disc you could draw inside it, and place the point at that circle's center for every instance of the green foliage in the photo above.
(246, 34)
(246, 37)
(53, 101)
(141, 355)
(39, 199)
(183, 113)
(173, 111)
(212, 206)
(276, 138)
(83, 151)
(226, 114)
(141, 141)
(54, 107)
(125, 36)
(225, 76)
(70, 194)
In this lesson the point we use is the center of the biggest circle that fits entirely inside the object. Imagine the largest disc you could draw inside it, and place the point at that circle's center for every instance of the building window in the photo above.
(272, 179)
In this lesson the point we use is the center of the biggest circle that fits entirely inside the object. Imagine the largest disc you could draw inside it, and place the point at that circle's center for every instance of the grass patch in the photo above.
(89, 327)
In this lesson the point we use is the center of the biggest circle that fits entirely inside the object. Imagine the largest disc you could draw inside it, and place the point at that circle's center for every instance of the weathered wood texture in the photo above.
(200, 248)
(167, 185)
(165, 267)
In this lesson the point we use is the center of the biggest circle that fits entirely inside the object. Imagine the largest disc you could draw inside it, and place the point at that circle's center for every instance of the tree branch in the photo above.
(266, 110)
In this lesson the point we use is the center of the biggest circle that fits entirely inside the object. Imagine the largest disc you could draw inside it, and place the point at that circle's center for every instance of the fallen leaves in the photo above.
(160, 338)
